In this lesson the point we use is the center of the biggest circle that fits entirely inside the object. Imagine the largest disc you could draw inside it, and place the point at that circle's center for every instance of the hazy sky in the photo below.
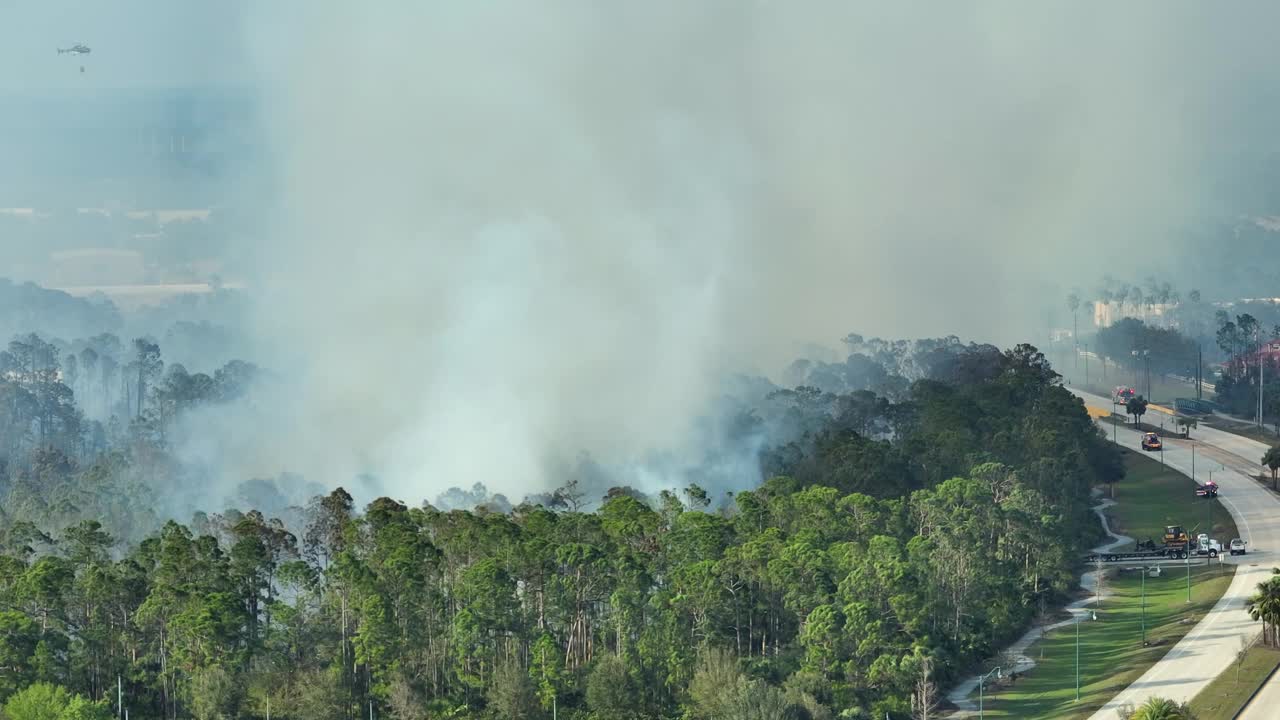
(135, 43)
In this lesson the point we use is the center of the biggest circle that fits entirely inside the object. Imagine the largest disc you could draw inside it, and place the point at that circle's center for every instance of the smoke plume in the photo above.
(509, 232)
(503, 233)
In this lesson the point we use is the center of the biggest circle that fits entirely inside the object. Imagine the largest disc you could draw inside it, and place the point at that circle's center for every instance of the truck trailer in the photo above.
(1176, 545)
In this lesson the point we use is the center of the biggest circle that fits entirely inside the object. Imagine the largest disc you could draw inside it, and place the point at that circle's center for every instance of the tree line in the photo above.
(896, 543)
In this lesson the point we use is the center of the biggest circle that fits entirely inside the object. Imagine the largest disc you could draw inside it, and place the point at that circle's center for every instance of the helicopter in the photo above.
(76, 50)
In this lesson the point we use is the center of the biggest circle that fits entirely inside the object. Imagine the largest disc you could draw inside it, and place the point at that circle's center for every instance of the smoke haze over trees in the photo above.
(827, 588)
(472, 358)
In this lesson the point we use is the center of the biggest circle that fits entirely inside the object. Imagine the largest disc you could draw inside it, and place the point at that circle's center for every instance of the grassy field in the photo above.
(1111, 650)
(1229, 691)
(1151, 497)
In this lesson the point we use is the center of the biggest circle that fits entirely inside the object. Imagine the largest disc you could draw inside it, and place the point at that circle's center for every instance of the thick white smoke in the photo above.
(511, 231)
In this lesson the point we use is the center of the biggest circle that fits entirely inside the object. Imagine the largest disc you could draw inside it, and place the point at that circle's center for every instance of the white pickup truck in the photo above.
(1238, 546)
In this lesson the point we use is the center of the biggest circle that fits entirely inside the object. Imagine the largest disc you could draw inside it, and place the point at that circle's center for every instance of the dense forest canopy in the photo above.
(898, 536)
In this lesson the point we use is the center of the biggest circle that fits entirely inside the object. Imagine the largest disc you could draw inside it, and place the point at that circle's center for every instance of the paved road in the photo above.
(1210, 647)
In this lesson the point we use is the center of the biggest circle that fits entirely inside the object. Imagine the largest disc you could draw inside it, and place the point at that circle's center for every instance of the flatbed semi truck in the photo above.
(1176, 546)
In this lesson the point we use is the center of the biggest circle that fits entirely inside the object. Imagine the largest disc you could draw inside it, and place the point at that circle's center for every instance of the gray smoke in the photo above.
(503, 233)
(512, 231)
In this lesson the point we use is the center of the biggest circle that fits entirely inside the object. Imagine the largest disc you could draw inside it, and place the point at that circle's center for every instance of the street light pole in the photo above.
(1095, 617)
(1086, 364)
(1188, 563)
(982, 681)
(1144, 605)
(1208, 511)
(1114, 425)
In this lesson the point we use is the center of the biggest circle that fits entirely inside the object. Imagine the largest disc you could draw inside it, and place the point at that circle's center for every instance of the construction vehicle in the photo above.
(1207, 490)
(1175, 537)
(1151, 441)
(1237, 546)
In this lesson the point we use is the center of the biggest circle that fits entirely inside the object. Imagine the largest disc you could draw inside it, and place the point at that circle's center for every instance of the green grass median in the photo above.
(1227, 694)
(1152, 496)
(1112, 653)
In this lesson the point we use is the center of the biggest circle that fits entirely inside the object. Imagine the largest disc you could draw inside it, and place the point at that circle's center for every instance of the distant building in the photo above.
(1108, 314)
(1270, 350)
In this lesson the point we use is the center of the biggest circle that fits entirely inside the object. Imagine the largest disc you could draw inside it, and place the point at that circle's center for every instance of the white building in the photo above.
(1108, 314)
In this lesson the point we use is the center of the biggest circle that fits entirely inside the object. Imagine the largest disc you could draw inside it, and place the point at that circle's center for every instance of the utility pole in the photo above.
(1147, 355)
(1199, 370)
(119, 697)
(1261, 362)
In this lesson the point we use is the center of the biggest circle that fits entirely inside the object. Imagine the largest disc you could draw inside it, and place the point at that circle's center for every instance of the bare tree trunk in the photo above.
(924, 699)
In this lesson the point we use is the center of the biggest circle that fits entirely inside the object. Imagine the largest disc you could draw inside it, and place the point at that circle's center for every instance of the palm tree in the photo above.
(1187, 423)
(1272, 461)
(1265, 606)
(1158, 708)
(1137, 407)
(1139, 301)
